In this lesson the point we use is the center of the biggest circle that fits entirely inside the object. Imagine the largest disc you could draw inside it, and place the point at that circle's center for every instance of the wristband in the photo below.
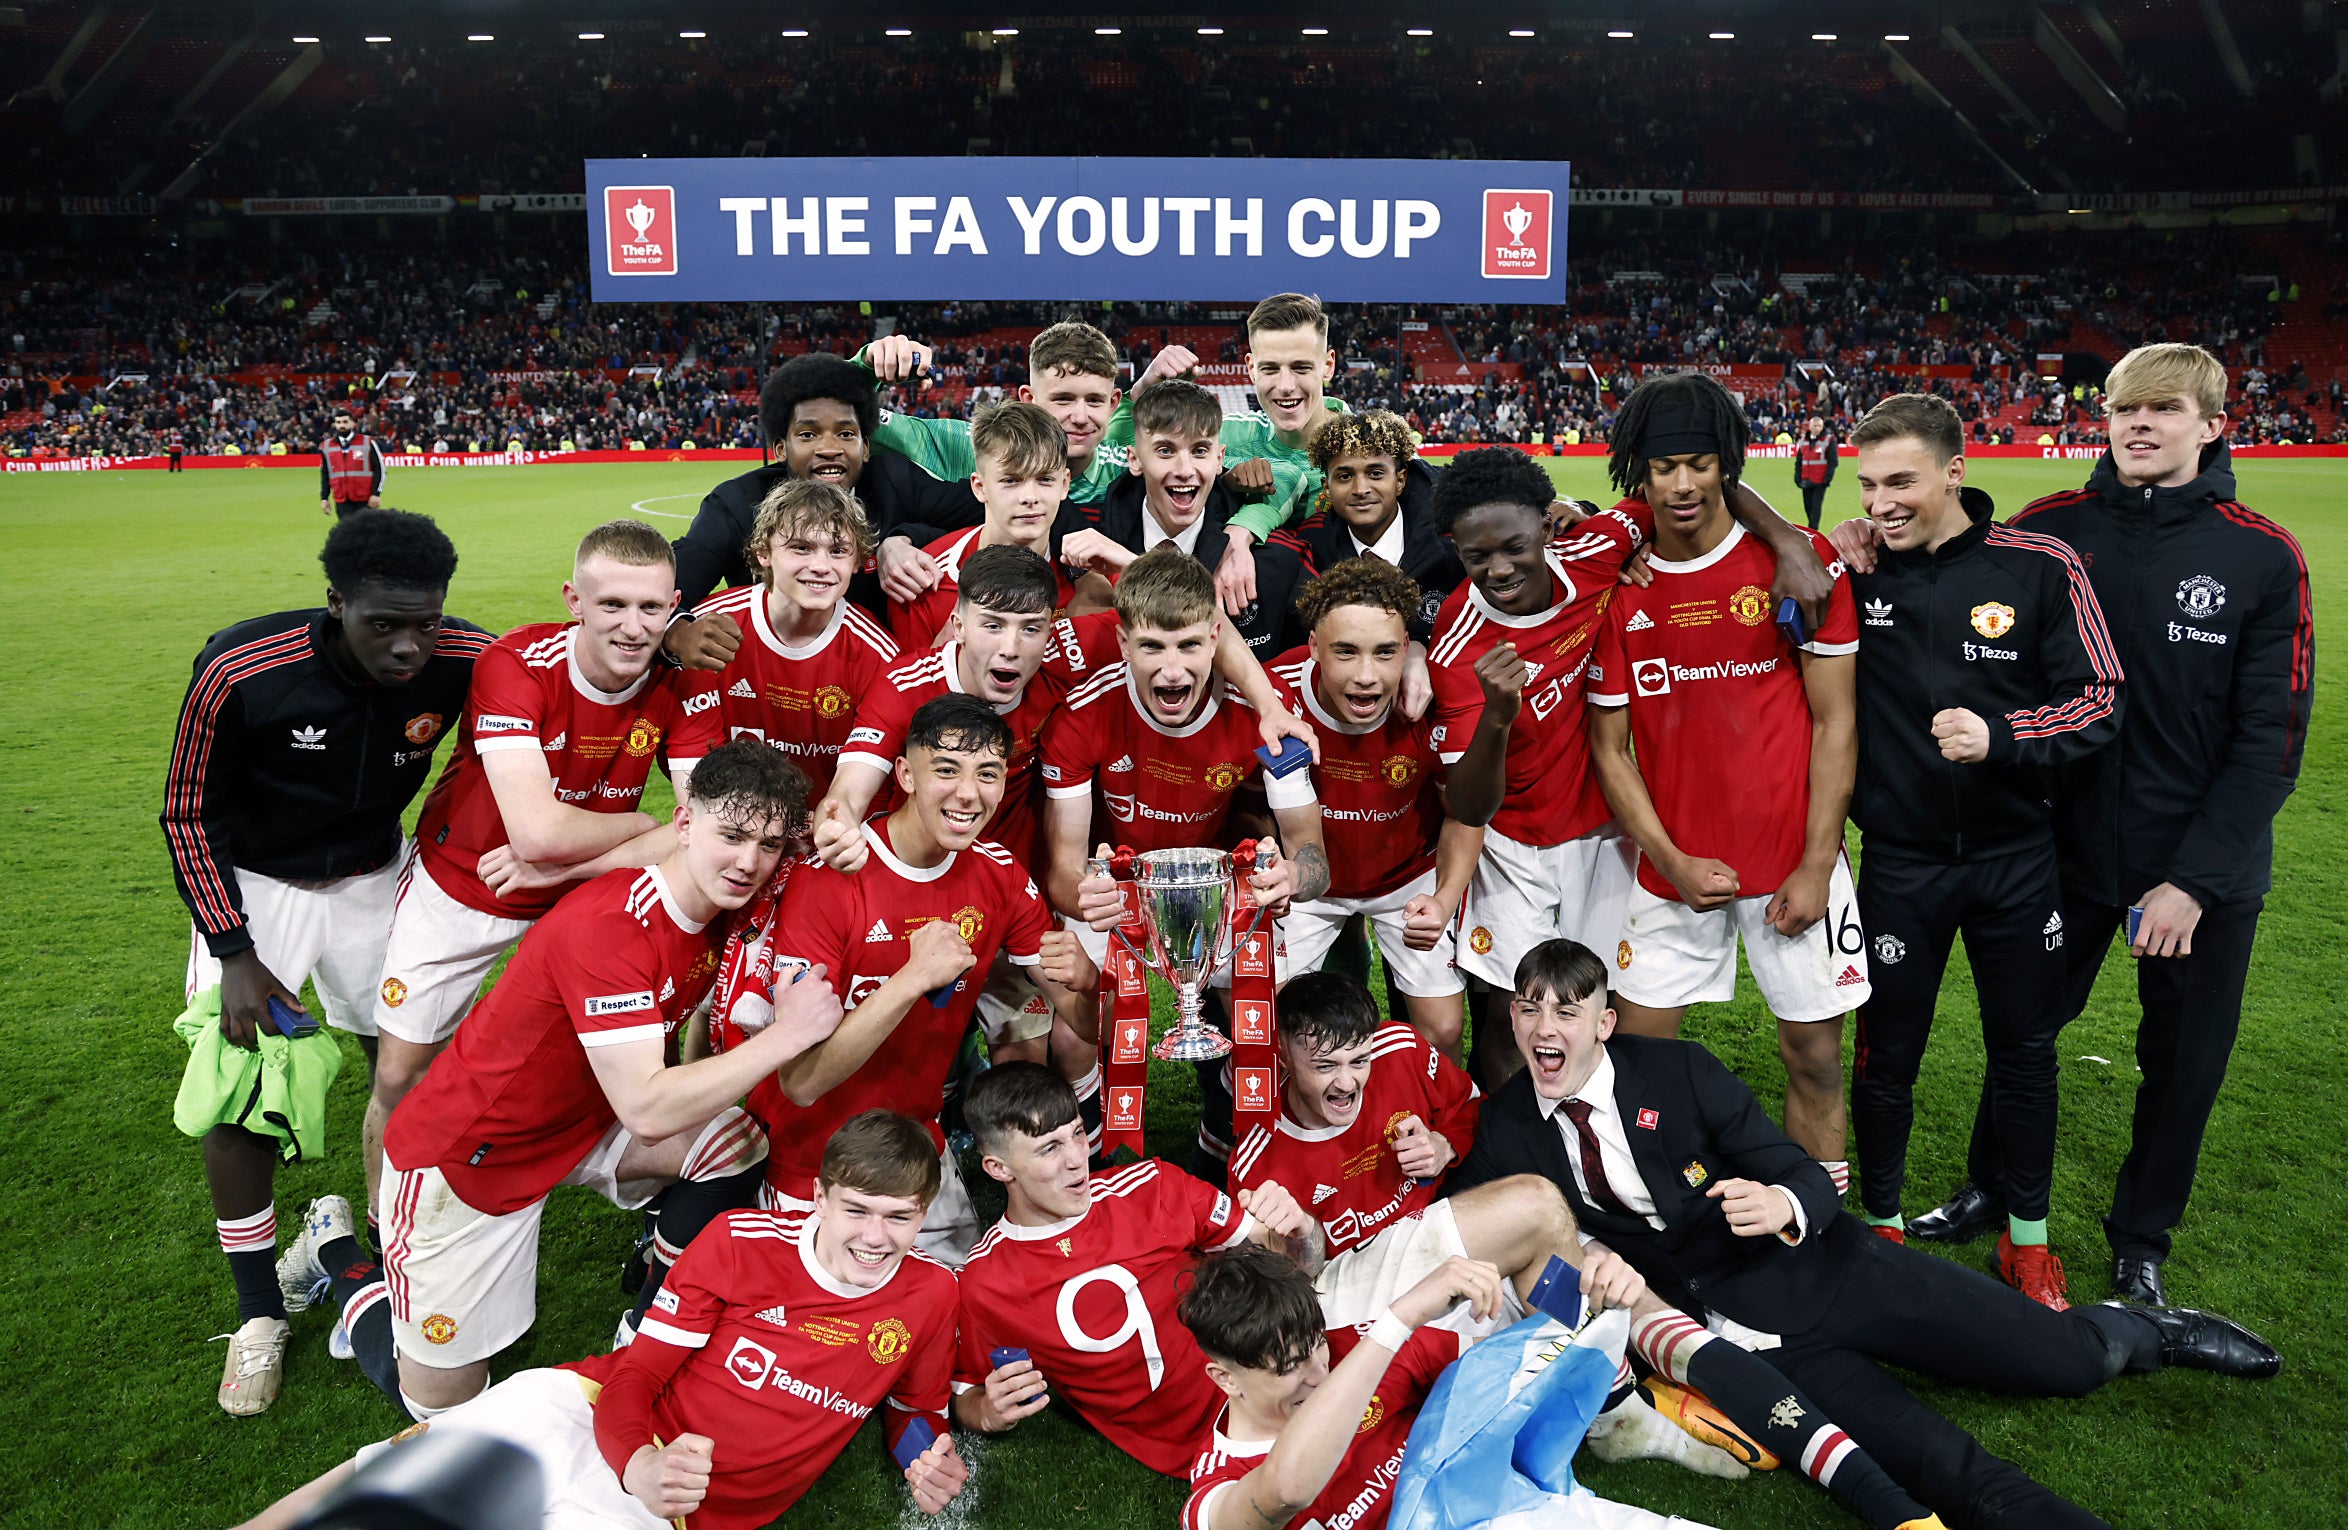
(1389, 1330)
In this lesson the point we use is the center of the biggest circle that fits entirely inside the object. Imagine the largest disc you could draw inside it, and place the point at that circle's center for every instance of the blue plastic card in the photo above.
(2135, 922)
(288, 1021)
(918, 1437)
(1003, 1355)
(1792, 622)
(1558, 1293)
(1294, 755)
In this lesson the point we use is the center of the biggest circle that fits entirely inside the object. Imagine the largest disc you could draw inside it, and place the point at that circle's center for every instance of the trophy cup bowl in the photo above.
(1184, 895)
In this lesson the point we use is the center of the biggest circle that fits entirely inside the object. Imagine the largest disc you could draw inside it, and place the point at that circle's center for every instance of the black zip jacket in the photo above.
(2210, 609)
(1269, 627)
(287, 765)
(899, 499)
(1325, 541)
(2002, 623)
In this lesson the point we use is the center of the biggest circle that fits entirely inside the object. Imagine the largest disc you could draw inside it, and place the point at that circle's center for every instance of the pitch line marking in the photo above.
(666, 515)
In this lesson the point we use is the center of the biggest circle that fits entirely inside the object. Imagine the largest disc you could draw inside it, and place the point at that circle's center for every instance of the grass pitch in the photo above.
(112, 1280)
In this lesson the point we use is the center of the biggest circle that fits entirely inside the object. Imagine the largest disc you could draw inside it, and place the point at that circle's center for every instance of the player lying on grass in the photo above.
(907, 939)
(740, 1392)
(818, 413)
(1746, 747)
(1082, 1274)
(1071, 374)
(1021, 478)
(563, 1078)
(1395, 858)
(1153, 754)
(302, 739)
(561, 729)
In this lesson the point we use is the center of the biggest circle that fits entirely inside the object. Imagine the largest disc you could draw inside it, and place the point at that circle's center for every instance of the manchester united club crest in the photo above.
(1223, 777)
(2201, 597)
(1750, 605)
(1394, 1124)
(1480, 941)
(1372, 1415)
(1622, 954)
(888, 1341)
(438, 1328)
(395, 993)
(968, 922)
(832, 701)
(643, 737)
(1398, 769)
(424, 727)
(1993, 619)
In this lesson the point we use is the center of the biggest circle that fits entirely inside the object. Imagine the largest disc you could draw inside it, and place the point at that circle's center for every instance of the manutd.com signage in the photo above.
(1351, 230)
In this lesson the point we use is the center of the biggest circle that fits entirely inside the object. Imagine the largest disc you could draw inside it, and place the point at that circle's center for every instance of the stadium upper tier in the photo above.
(203, 102)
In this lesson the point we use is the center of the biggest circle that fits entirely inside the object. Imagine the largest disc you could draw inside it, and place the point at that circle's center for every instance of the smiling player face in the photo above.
(1270, 1398)
(1001, 650)
(861, 1238)
(622, 609)
(1170, 670)
(1909, 494)
(825, 443)
(729, 854)
(807, 569)
(951, 792)
(1047, 1175)
(1358, 658)
(1081, 402)
(1325, 1083)
(1501, 547)
(1289, 368)
(1177, 473)
(1365, 492)
(1559, 1041)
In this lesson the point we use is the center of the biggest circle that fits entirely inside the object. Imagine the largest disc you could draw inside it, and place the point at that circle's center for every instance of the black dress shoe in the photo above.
(1961, 1218)
(2203, 1341)
(2136, 1278)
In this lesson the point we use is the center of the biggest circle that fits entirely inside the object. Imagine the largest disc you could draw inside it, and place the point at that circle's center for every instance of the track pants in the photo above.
(2008, 908)
(2192, 1009)
(1813, 502)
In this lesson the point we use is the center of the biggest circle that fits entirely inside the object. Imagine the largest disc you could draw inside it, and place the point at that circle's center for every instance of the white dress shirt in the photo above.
(1388, 546)
(1152, 534)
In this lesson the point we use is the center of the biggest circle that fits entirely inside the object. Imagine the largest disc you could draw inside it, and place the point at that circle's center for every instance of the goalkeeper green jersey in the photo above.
(942, 449)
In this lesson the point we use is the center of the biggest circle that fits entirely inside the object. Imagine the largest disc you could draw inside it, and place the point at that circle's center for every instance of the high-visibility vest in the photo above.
(348, 475)
(1810, 461)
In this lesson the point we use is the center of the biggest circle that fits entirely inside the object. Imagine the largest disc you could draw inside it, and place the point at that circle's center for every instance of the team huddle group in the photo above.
(916, 681)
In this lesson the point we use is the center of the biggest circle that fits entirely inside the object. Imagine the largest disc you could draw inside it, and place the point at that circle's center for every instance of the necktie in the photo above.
(1593, 1165)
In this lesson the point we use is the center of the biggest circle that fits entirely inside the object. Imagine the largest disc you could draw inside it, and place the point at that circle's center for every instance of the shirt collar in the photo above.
(1388, 546)
(1599, 1091)
(1152, 534)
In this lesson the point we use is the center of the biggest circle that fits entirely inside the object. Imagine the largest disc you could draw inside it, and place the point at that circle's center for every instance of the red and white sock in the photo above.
(1667, 1340)
(1838, 1170)
(256, 1234)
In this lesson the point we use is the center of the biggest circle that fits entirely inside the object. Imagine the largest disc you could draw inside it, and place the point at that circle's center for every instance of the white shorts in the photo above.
(948, 1233)
(464, 1283)
(545, 1414)
(1363, 1281)
(440, 950)
(1312, 928)
(331, 934)
(1012, 1007)
(1524, 894)
(1671, 955)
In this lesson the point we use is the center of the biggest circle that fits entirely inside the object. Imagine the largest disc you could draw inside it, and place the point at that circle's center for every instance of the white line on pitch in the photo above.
(666, 515)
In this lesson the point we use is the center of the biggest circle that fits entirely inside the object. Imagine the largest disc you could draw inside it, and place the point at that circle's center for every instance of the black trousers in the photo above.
(2192, 1010)
(1904, 1307)
(2008, 908)
(1813, 502)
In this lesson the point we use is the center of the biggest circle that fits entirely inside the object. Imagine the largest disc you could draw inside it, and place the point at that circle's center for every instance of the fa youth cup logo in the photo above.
(1518, 232)
(640, 230)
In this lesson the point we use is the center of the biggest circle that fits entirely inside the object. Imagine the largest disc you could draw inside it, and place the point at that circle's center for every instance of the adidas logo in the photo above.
(742, 689)
(2054, 923)
(555, 743)
(1124, 762)
(774, 1315)
(1533, 670)
(1849, 979)
(668, 989)
(1640, 622)
(1322, 1193)
(1879, 613)
(879, 931)
(309, 738)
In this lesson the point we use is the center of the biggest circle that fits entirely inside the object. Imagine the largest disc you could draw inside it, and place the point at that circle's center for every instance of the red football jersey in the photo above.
(918, 622)
(1160, 788)
(1347, 1177)
(1381, 810)
(754, 1344)
(1092, 1302)
(516, 1105)
(1362, 1488)
(859, 926)
(529, 693)
(1698, 658)
(802, 700)
(1551, 794)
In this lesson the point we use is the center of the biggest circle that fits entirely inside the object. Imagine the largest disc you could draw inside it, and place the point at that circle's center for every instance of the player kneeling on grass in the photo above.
(738, 1393)
(562, 1076)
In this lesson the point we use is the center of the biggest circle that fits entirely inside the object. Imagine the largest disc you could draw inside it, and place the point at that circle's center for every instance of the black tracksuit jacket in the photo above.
(1324, 540)
(2002, 623)
(2210, 610)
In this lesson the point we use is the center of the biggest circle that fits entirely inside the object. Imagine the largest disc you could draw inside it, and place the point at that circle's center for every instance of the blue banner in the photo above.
(1186, 230)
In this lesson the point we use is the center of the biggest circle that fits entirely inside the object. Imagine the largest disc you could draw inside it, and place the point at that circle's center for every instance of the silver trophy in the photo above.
(1187, 935)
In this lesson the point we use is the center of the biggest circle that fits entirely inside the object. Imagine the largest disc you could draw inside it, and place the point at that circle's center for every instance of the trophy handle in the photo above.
(1119, 868)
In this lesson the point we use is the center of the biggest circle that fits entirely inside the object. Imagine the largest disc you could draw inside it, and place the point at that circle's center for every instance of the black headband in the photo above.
(1679, 433)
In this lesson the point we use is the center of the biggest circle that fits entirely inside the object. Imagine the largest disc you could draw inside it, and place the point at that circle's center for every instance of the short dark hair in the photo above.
(1250, 1307)
(1289, 310)
(1023, 1097)
(958, 722)
(1676, 393)
(1930, 420)
(389, 548)
(1495, 475)
(1172, 406)
(818, 374)
(1328, 1010)
(880, 1152)
(1565, 970)
(744, 779)
(1008, 578)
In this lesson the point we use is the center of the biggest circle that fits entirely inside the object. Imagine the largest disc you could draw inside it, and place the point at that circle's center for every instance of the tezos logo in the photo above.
(1517, 234)
(640, 230)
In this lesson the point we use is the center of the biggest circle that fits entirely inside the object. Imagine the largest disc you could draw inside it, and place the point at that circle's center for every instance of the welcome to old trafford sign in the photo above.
(1350, 230)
